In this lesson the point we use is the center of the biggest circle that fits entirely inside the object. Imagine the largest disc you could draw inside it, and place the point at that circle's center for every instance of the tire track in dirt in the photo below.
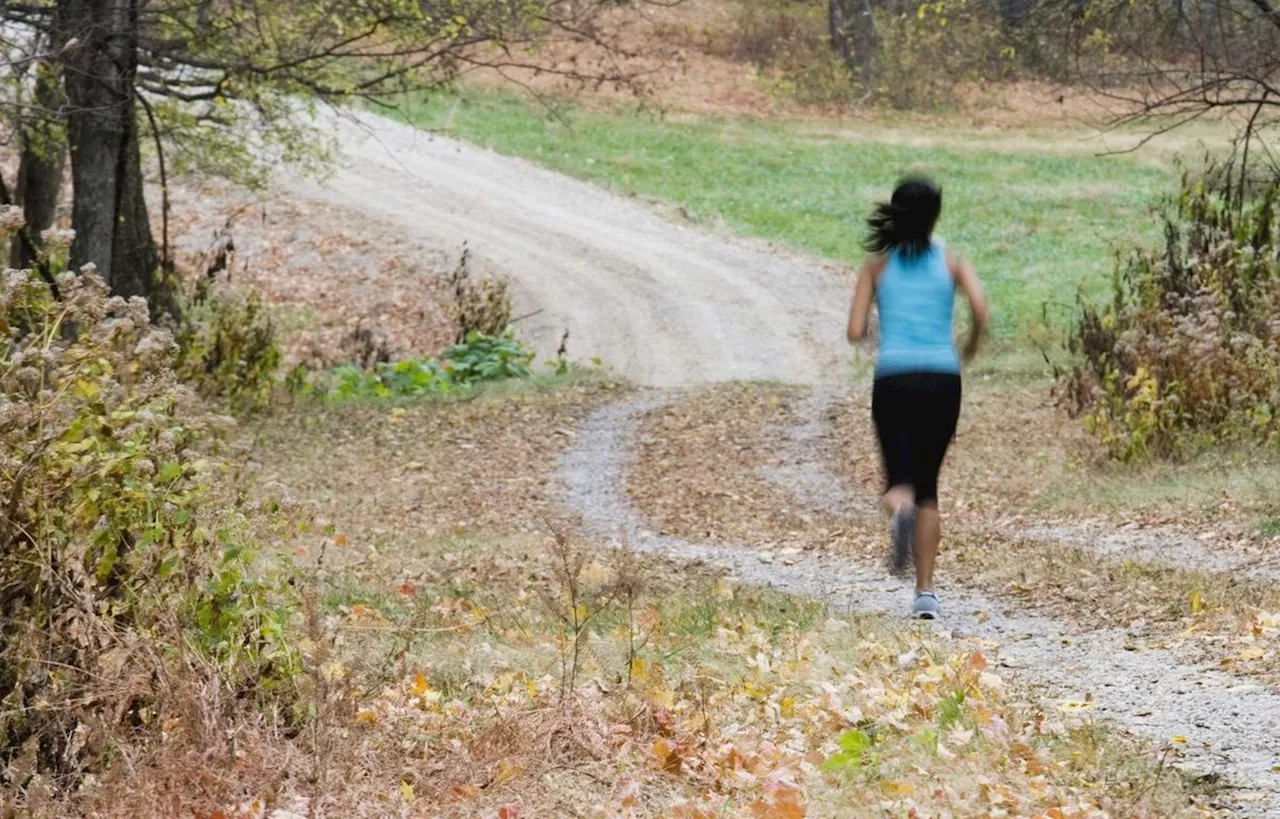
(1233, 728)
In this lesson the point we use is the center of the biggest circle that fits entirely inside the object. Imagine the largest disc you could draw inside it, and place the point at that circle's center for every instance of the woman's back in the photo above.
(915, 297)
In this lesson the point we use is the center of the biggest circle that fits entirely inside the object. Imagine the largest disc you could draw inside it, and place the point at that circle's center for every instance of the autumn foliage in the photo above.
(1187, 351)
(115, 576)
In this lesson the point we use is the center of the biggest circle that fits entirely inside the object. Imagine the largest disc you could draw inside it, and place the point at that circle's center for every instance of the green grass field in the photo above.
(1037, 224)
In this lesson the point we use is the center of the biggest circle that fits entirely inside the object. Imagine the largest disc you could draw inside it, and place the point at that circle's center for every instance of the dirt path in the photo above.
(1231, 729)
(662, 304)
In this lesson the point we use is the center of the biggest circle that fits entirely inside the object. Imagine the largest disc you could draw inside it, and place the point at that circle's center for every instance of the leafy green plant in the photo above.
(855, 747)
(951, 710)
(242, 614)
(1186, 353)
(478, 358)
(488, 358)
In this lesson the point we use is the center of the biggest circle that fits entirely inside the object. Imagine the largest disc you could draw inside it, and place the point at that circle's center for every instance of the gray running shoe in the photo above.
(926, 606)
(902, 534)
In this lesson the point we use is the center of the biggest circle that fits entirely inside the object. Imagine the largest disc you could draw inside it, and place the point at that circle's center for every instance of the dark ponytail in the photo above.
(905, 223)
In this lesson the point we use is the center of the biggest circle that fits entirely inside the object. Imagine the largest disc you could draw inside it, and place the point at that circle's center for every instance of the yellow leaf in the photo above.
(420, 686)
(662, 696)
(506, 771)
(367, 718)
(787, 707)
(898, 788)
(667, 755)
(406, 791)
(1179, 740)
(639, 670)
(1197, 602)
(1073, 706)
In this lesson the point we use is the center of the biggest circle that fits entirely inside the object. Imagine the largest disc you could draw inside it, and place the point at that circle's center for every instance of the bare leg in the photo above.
(928, 535)
(897, 497)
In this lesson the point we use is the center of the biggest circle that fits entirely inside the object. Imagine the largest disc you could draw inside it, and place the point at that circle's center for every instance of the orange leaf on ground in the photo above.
(667, 754)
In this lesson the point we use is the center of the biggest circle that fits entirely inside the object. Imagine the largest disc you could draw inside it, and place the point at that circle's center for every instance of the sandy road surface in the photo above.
(662, 304)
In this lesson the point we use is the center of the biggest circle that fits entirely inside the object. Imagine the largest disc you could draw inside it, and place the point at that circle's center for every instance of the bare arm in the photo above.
(860, 310)
(966, 279)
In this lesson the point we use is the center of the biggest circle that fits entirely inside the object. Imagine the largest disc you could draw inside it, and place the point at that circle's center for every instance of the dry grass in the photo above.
(439, 691)
(435, 468)
(505, 672)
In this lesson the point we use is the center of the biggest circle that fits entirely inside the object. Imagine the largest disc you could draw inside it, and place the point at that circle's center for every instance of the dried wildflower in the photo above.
(57, 238)
(11, 220)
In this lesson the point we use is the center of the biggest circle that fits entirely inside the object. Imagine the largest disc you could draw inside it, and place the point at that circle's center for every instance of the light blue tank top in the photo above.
(916, 299)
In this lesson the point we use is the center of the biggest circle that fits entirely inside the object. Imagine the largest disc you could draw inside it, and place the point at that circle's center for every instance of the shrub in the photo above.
(790, 40)
(488, 358)
(227, 349)
(110, 581)
(480, 305)
(925, 50)
(478, 358)
(1187, 351)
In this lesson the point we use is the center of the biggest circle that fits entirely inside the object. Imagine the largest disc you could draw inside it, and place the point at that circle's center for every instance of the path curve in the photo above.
(660, 303)
(1233, 727)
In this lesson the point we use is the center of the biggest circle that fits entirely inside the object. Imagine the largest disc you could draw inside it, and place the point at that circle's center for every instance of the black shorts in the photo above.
(915, 416)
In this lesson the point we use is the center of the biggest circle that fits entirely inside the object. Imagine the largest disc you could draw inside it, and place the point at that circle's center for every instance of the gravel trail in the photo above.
(1232, 728)
(662, 304)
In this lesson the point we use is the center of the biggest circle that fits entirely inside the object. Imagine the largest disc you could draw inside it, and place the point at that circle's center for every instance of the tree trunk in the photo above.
(853, 35)
(109, 212)
(44, 153)
(1014, 13)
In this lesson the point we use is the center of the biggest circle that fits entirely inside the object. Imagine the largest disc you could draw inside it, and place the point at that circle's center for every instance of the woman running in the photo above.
(915, 400)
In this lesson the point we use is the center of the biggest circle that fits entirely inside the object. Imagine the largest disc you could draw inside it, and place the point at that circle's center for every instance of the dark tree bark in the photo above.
(853, 35)
(1014, 13)
(44, 153)
(109, 213)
